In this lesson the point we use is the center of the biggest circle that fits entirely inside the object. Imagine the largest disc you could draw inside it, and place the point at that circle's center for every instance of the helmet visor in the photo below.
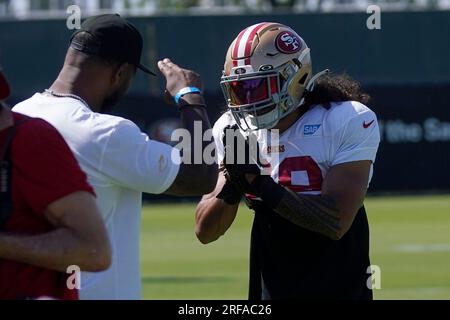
(252, 90)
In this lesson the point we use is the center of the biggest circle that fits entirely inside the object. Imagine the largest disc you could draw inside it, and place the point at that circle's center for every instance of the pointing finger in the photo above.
(172, 65)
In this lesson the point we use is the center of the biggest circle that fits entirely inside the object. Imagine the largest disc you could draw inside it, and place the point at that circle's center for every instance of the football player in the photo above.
(310, 236)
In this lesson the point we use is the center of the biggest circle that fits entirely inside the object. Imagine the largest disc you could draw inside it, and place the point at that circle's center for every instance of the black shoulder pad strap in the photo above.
(6, 166)
(6, 179)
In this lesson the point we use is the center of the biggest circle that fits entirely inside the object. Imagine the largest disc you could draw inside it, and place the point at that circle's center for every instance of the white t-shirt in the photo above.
(320, 139)
(121, 162)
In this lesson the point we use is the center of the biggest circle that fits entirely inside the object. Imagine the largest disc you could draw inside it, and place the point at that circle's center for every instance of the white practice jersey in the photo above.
(121, 162)
(320, 139)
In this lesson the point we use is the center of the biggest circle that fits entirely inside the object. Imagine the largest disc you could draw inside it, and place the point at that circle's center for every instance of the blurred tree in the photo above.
(176, 4)
(282, 3)
(4, 4)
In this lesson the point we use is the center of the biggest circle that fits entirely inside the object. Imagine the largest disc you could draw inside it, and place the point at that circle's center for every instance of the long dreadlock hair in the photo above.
(335, 88)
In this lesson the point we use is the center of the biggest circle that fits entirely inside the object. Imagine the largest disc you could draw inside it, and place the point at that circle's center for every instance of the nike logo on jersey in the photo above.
(367, 125)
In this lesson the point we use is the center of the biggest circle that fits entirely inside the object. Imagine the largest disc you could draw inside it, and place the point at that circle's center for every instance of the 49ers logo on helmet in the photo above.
(287, 42)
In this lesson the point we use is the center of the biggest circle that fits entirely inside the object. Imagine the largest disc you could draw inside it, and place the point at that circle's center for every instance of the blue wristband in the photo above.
(184, 91)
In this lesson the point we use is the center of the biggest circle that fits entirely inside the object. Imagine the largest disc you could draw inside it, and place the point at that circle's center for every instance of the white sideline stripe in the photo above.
(420, 248)
(243, 43)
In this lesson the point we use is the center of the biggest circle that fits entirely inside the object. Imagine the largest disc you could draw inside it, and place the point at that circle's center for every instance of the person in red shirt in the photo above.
(48, 218)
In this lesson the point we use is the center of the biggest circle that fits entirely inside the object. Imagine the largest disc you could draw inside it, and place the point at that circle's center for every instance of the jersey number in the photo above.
(300, 174)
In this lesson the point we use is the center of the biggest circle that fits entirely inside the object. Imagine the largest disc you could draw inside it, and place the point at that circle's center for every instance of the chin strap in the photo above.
(312, 82)
(310, 86)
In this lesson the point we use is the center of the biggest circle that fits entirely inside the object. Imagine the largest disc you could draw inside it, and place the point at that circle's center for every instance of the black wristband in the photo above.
(229, 194)
(270, 191)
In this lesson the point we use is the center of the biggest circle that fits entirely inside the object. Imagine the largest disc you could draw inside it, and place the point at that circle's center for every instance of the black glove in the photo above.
(267, 189)
(262, 186)
(237, 160)
(230, 193)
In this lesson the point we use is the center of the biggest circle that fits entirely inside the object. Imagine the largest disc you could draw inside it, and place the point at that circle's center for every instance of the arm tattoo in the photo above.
(312, 212)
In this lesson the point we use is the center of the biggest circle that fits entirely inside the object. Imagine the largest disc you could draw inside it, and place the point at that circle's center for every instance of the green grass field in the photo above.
(410, 241)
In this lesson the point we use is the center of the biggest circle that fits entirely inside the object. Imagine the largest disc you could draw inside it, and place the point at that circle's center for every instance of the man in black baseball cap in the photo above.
(112, 38)
(121, 161)
(101, 63)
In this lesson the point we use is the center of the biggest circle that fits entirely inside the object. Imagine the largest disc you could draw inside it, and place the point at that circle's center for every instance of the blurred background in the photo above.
(403, 64)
